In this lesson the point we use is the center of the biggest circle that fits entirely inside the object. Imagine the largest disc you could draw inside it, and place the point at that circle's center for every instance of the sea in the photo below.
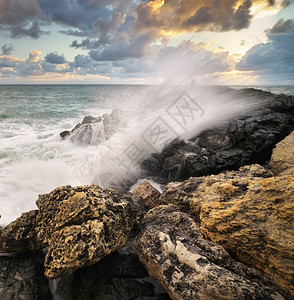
(34, 159)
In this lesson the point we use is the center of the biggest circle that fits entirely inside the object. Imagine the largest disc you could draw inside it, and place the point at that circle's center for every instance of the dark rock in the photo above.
(247, 139)
(175, 253)
(117, 276)
(22, 277)
(64, 134)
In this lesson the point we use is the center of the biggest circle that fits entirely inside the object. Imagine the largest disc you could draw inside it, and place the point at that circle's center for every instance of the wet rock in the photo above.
(282, 160)
(175, 253)
(94, 130)
(147, 194)
(253, 218)
(22, 278)
(244, 140)
(80, 225)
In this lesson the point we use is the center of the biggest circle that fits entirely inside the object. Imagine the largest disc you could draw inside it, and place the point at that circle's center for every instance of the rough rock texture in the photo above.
(282, 160)
(182, 193)
(174, 252)
(80, 225)
(94, 130)
(117, 276)
(253, 218)
(20, 235)
(147, 194)
(22, 278)
(244, 140)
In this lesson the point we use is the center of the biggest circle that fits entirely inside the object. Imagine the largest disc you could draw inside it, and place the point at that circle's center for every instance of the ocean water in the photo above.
(34, 159)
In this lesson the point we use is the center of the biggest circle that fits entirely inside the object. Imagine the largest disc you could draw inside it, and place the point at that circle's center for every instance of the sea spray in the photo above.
(175, 107)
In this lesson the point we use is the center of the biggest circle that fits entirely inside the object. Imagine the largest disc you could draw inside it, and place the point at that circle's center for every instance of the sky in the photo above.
(242, 42)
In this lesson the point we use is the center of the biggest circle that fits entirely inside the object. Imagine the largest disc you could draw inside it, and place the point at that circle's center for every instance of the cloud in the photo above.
(136, 47)
(181, 16)
(54, 58)
(21, 18)
(34, 56)
(282, 27)
(275, 57)
(87, 44)
(7, 49)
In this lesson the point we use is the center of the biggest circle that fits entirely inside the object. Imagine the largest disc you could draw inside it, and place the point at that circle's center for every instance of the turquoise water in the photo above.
(34, 159)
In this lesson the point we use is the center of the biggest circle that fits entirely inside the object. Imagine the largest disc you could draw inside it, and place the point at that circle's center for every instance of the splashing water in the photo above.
(35, 160)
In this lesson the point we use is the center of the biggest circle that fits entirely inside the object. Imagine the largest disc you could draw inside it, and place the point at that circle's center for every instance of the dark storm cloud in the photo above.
(135, 48)
(7, 49)
(54, 58)
(213, 15)
(21, 18)
(283, 27)
(86, 44)
(276, 56)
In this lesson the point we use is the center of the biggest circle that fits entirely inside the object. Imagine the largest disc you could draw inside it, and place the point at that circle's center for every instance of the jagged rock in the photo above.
(22, 278)
(94, 130)
(80, 225)
(90, 119)
(282, 160)
(174, 252)
(148, 194)
(253, 218)
(244, 140)
(117, 276)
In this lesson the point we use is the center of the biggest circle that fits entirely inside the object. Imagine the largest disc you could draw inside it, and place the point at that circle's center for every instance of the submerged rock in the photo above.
(80, 225)
(175, 253)
(244, 140)
(282, 160)
(21, 277)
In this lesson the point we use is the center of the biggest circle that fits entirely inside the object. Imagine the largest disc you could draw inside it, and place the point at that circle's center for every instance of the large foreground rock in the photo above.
(282, 160)
(174, 252)
(245, 140)
(80, 225)
(249, 212)
(22, 278)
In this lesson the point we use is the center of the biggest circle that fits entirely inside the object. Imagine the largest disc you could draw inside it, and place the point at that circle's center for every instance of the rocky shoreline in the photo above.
(221, 229)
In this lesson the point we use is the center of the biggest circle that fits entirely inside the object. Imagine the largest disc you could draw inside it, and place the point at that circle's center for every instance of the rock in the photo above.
(282, 160)
(175, 253)
(94, 130)
(80, 225)
(182, 193)
(148, 194)
(21, 277)
(90, 119)
(247, 139)
(21, 234)
(253, 218)
(117, 276)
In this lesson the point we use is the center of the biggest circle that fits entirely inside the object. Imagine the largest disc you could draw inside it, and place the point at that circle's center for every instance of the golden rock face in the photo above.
(282, 160)
(80, 225)
(254, 220)
(248, 214)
